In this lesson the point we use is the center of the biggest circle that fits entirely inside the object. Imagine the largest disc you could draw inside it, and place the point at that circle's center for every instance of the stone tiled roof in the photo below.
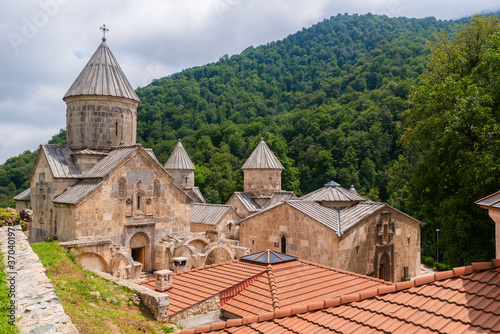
(108, 163)
(179, 159)
(462, 300)
(333, 192)
(89, 152)
(150, 152)
(195, 195)
(24, 196)
(209, 214)
(262, 158)
(329, 216)
(60, 161)
(249, 288)
(246, 199)
(278, 197)
(79, 191)
(102, 76)
(322, 214)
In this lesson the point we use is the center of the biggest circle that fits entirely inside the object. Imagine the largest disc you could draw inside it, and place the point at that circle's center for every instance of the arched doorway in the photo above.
(217, 255)
(384, 268)
(141, 250)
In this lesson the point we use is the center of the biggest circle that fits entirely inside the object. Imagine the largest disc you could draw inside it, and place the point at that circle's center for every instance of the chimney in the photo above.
(179, 264)
(163, 280)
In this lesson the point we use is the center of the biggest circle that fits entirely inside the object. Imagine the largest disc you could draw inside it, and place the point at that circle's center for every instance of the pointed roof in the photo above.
(179, 159)
(333, 192)
(102, 76)
(262, 158)
(269, 257)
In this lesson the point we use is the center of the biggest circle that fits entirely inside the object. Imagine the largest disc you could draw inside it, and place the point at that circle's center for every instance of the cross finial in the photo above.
(104, 29)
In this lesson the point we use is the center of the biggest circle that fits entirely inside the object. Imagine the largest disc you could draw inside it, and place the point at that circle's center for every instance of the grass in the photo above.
(110, 311)
(5, 326)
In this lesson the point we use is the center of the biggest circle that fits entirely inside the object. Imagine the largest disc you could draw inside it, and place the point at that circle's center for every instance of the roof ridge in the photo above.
(345, 299)
(272, 286)
(210, 204)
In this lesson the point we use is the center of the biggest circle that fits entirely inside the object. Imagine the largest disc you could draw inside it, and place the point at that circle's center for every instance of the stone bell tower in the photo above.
(101, 111)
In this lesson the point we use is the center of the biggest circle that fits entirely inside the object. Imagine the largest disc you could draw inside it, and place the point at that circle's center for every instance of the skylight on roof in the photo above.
(269, 257)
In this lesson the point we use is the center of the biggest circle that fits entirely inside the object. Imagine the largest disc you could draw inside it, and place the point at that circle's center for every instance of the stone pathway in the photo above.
(41, 311)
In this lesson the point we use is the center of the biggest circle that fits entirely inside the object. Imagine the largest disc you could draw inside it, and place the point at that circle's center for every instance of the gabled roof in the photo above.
(246, 199)
(333, 192)
(247, 287)
(109, 162)
(150, 152)
(262, 158)
(209, 214)
(24, 196)
(329, 217)
(179, 159)
(195, 195)
(462, 300)
(102, 76)
(490, 201)
(278, 197)
(61, 163)
(79, 191)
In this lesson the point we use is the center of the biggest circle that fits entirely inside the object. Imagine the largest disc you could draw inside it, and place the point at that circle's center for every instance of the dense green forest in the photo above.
(331, 102)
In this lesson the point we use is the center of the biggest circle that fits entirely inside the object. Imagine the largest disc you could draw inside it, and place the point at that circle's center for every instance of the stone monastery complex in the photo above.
(108, 198)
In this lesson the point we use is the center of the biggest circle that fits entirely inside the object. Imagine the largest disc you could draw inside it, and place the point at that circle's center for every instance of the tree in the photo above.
(452, 140)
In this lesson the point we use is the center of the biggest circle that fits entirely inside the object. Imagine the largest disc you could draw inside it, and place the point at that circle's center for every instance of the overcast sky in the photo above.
(46, 43)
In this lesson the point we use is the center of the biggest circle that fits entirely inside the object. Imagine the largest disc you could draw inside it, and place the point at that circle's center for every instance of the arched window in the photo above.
(283, 244)
(138, 202)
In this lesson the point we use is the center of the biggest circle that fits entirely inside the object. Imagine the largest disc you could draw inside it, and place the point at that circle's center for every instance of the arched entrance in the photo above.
(217, 255)
(141, 250)
(384, 268)
(90, 261)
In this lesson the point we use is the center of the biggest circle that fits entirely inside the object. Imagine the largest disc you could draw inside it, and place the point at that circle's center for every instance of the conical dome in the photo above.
(179, 159)
(102, 76)
(262, 158)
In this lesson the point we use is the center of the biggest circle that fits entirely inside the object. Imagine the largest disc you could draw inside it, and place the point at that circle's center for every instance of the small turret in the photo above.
(180, 167)
(262, 171)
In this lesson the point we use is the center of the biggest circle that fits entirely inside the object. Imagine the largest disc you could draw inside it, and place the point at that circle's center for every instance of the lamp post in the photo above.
(437, 245)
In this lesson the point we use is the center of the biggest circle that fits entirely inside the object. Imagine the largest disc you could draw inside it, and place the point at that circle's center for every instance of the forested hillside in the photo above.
(329, 100)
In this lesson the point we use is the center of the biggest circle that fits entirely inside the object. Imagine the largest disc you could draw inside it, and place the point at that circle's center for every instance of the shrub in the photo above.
(441, 266)
(429, 262)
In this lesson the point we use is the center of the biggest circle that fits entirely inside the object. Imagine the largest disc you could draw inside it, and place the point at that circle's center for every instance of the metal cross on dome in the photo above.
(104, 29)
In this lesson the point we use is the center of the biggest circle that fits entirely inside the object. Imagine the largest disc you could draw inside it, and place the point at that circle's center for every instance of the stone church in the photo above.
(109, 199)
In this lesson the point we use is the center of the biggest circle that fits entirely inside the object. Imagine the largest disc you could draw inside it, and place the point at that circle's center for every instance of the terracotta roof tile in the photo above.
(463, 301)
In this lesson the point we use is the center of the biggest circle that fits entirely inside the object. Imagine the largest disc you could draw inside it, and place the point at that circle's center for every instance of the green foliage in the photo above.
(429, 262)
(10, 217)
(328, 101)
(452, 142)
(441, 266)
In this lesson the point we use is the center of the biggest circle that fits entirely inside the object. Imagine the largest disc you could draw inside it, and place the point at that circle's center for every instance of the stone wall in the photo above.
(44, 188)
(359, 249)
(100, 122)
(262, 181)
(208, 305)
(157, 302)
(236, 204)
(39, 310)
(139, 191)
(305, 238)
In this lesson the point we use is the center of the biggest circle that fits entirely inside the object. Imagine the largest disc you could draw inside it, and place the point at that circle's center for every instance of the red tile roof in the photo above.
(248, 288)
(466, 299)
